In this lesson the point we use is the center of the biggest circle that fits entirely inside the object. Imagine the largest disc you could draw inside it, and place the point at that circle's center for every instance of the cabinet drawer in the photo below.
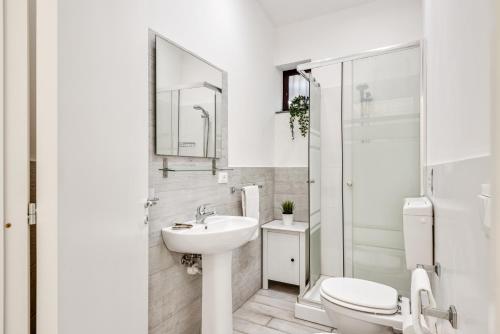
(283, 257)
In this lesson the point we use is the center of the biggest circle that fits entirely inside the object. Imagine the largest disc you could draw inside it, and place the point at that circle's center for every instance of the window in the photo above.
(294, 85)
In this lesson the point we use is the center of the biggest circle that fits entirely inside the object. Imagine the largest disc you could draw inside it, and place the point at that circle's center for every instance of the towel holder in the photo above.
(167, 169)
(436, 268)
(450, 314)
(240, 188)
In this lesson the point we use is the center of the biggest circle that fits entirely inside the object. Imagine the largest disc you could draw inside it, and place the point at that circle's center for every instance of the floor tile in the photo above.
(272, 312)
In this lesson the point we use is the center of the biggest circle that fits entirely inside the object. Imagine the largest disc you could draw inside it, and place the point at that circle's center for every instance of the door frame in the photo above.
(2, 161)
(16, 167)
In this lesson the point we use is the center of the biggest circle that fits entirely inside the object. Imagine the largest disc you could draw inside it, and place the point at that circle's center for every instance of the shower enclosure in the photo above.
(365, 157)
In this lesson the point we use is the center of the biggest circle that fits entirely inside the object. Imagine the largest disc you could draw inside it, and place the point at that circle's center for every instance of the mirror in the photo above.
(188, 103)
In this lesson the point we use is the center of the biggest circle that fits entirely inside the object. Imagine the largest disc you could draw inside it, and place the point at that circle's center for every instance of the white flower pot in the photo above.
(287, 219)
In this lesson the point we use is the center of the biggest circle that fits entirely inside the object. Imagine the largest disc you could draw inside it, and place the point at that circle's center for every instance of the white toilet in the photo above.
(363, 307)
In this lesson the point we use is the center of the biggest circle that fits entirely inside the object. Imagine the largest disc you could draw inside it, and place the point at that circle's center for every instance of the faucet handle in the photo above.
(202, 208)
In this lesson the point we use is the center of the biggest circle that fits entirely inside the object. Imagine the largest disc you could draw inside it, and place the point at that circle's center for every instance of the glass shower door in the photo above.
(314, 182)
(381, 162)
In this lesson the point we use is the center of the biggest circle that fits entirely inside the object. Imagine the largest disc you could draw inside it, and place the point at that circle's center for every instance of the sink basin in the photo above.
(219, 234)
(215, 241)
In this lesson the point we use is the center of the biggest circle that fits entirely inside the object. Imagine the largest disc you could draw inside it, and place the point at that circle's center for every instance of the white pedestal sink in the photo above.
(215, 241)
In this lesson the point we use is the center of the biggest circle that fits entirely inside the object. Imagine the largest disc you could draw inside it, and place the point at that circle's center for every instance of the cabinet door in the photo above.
(283, 257)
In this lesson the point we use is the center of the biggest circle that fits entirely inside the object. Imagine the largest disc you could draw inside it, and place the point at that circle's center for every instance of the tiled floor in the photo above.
(272, 312)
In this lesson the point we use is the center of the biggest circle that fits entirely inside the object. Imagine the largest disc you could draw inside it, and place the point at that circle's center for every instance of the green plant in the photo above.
(287, 207)
(299, 109)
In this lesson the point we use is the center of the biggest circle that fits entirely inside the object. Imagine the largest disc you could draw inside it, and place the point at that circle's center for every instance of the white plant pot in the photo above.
(287, 219)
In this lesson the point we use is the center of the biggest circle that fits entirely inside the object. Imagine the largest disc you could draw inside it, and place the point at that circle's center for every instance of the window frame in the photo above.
(285, 89)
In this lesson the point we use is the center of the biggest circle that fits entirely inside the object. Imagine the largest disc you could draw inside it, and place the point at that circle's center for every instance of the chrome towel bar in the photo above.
(240, 188)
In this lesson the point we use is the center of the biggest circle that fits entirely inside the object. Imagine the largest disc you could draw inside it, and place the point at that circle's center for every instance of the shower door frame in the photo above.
(312, 280)
(302, 68)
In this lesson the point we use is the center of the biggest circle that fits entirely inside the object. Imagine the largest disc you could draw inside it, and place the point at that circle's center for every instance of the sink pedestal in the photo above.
(217, 301)
(215, 241)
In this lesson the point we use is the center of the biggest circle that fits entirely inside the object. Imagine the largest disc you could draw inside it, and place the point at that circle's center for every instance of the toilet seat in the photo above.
(362, 303)
(360, 295)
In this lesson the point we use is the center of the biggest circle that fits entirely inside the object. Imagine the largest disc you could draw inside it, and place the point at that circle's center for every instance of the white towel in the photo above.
(420, 282)
(250, 204)
(406, 315)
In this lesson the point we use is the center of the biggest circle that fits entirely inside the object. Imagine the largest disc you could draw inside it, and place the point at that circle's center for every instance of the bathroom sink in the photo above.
(215, 241)
(218, 234)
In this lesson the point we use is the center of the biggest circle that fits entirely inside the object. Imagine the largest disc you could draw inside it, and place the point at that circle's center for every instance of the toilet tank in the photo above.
(417, 230)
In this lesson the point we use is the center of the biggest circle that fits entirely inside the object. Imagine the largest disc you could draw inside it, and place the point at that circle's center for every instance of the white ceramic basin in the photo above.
(215, 240)
(219, 234)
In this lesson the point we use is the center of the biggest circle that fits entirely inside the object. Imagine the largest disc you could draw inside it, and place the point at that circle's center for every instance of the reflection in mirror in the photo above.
(188, 103)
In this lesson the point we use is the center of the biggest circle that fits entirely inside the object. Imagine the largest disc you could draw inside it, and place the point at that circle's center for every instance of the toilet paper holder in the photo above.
(450, 314)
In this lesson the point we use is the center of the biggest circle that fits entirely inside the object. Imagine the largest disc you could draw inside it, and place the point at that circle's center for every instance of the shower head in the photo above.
(362, 87)
(200, 108)
(364, 94)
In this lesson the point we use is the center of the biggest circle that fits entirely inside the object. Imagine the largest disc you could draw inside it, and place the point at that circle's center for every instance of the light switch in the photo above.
(223, 177)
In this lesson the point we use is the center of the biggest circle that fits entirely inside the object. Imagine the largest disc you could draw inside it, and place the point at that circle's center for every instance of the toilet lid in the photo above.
(361, 295)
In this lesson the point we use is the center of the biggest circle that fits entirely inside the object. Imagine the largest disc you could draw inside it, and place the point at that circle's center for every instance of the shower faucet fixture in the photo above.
(203, 111)
(364, 94)
(206, 127)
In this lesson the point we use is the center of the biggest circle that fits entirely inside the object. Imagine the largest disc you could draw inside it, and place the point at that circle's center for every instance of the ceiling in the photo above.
(282, 12)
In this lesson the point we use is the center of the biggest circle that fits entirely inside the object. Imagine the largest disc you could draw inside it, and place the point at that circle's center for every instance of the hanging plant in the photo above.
(299, 109)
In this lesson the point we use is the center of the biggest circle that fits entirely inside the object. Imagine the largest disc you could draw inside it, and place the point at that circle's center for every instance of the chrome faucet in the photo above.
(202, 214)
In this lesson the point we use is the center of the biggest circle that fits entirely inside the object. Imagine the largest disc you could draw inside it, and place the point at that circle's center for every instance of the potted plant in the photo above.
(299, 109)
(287, 208)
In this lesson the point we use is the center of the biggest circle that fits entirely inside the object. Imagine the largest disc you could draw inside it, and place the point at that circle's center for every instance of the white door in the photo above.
(16, 166)
(92, 167)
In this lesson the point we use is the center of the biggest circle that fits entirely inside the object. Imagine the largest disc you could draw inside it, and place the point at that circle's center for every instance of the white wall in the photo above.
(458, 36)
(376, 24)
(288, 152)
(495, 259)
(236, 36)
(458, 39)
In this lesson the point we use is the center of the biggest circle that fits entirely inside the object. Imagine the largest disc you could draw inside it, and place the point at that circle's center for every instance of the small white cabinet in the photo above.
(285, 253)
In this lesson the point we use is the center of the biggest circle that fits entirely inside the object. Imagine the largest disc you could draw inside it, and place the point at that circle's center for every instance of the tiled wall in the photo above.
(291, 184)
(175, 296)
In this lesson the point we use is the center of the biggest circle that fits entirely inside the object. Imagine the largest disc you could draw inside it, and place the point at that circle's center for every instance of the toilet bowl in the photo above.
(359, 306)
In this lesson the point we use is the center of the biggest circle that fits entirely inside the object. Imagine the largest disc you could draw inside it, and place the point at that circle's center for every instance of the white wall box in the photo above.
(285, 253)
